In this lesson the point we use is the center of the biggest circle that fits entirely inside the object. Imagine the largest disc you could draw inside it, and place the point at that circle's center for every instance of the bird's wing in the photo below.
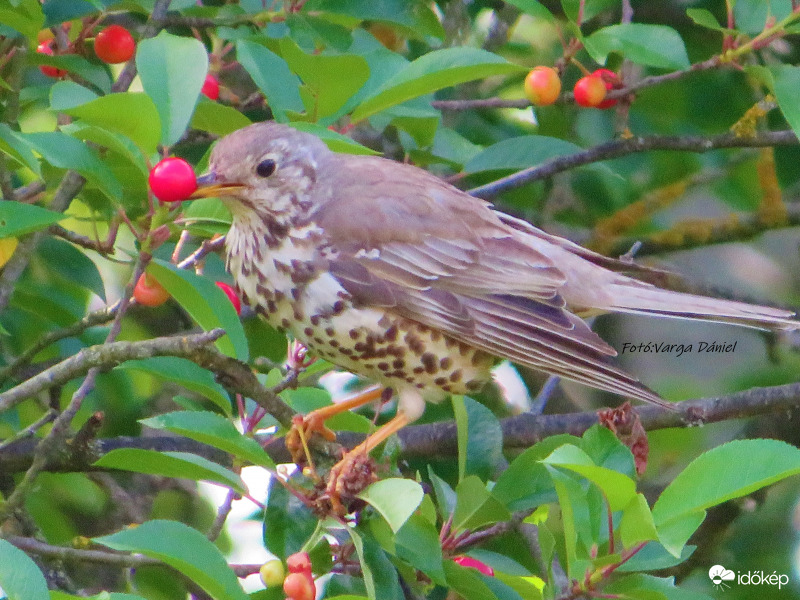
(405, 241)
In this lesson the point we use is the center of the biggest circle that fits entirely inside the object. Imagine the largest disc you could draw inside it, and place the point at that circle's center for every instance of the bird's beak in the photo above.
(209, 187)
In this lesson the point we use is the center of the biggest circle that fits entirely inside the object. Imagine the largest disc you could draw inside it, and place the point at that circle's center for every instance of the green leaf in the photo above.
(172, 69)
(396, 499)
(115, 113)
(534, 9)
(654, 557)
(18, 149)
(476, 506)
(205, 302)
(575, 515)
(186, 550)
(416, 17)
(65, 152)
(93, 73)
(674, 533)
(68, 94)
(185, 373)
(705, 18)
(171, 464)
(656, 46)
(306, 399)
(273, 77)
(26, 17)
(418, 544)
(56, 595)
(728, 471)
(214, 430)
(71, 263)
(520, 153)
(445, 495)
(431, 72)
(288, 523)
(380, 576)
(636, 524)
(618, 489)
(18, 219)
(525, 484)
(217, 118)
(335, 141)
(648, 587)
(483, 447)
(20, 578)
(330, 79)
(475, 586)
(786, 85)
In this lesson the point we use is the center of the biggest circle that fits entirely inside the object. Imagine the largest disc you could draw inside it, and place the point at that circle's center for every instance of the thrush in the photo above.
(388, 272)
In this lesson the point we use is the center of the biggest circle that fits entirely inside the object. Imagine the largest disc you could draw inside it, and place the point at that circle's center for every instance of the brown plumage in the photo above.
(392, 273)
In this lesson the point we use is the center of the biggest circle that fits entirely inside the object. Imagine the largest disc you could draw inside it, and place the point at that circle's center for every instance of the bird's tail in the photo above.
(644, 299)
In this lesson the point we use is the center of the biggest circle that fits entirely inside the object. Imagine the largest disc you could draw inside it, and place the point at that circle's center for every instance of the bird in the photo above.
(391, 273)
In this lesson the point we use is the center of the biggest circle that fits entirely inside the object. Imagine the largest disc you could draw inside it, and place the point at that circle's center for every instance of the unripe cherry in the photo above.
(148, 292)
(542, 86)
(589, 91)
(272, 573)
(299, 587)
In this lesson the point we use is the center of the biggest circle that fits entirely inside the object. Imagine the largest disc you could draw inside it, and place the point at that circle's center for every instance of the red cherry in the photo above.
(542, 86)
(172, 180)
(210, 87)
(46, 48)
(299, 562)
(474, 563)
(237, 304)
(148, 292)
(611, 80)
(299, 587)
(114, 45)
(589, 91)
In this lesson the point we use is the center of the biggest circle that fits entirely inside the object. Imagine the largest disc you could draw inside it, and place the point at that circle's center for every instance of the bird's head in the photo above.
(266, 168)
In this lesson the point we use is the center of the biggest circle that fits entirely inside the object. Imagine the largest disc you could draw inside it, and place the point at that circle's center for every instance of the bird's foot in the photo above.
(303, 427)
(348, 478)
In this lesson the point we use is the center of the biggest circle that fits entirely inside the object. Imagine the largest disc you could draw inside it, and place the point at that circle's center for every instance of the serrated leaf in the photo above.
(171, 464)
(20, 578)
(214, 430)
(396, 499)
(482, 448)
(331, 79)
(217, 118)
(273, 77)
(18, 219)
(656, 46)
(185, 373)
(728, 471)
(172, 69)
(18, 149)
(380, 576)
(186, 550)
(618, 489)
(288, 523)
(431, 72)
(115, 113)
(636, 524)
(72, 264)
(476, 506)
(65, 152)
(205, 302)
(786, 86)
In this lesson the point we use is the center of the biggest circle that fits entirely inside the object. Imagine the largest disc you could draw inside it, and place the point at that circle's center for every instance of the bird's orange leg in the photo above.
(314, 422)
(340, 478)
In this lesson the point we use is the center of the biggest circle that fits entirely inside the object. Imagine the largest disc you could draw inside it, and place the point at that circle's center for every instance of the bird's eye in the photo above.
(266, 167)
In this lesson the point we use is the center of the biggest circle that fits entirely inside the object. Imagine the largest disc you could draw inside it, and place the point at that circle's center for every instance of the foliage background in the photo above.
(82, 147)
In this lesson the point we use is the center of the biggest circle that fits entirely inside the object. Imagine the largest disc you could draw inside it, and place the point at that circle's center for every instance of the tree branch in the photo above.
(439, 439)
(618, 148)
(105, 355)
